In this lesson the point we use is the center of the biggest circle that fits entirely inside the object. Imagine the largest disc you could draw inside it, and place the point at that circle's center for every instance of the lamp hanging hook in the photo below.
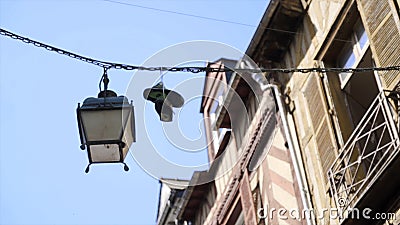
(105, 92)
(105, 79)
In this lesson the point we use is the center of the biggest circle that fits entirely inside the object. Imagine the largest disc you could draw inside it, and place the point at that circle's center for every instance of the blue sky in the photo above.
(42, 179)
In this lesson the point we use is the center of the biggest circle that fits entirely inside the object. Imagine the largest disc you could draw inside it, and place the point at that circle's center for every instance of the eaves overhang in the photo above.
(194, 195)
(276, 30)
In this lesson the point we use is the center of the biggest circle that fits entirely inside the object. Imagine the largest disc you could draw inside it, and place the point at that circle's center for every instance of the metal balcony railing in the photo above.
(370, 149)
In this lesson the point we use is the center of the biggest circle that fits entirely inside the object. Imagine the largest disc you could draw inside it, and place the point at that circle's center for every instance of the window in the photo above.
(349, 96)
(353, 50)
(251, 105)
(219, 132)
(219, 97)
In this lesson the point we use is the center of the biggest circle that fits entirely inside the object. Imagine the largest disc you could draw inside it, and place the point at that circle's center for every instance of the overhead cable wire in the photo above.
(214, 19)
(179, 13)
(191, 69)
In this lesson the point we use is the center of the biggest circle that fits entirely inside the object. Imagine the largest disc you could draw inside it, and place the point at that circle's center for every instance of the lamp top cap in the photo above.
(106, 93)
(111, 100)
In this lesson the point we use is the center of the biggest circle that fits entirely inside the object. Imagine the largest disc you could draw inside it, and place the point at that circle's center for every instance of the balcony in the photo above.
(365, 173)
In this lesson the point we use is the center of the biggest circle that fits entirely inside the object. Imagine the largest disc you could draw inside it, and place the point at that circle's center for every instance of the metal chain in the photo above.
(110, 65)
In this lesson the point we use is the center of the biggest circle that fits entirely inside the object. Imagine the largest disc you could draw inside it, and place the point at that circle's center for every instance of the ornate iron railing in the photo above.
(370, 149)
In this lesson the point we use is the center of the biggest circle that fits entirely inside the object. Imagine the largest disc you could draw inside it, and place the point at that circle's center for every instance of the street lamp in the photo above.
(106, 127)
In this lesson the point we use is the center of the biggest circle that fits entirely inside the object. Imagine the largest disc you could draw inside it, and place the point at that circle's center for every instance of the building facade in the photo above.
(309, 147)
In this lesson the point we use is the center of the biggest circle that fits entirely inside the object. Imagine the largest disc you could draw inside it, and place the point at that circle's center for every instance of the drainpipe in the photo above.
(304, 192)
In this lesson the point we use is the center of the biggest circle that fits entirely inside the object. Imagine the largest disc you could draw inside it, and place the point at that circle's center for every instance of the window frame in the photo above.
(356, 50)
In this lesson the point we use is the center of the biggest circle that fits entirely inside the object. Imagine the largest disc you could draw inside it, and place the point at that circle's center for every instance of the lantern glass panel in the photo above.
(129, 130)
(101, 125)
(105, 153)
